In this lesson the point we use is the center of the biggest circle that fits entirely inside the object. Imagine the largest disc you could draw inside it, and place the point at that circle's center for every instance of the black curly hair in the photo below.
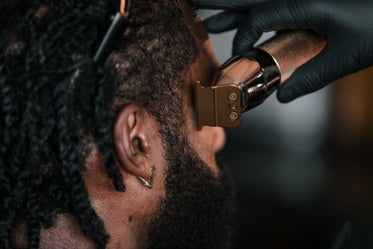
(56, 102)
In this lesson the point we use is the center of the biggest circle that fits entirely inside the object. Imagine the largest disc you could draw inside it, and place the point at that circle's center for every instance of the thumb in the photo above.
(270, 16)
(236, 5)
(323, 69)
(223, 21)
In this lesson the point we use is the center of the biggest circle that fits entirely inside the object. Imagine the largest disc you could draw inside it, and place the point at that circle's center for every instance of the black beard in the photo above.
(199, 208)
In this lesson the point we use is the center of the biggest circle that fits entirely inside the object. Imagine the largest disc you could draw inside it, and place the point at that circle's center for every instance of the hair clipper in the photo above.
(246, 80)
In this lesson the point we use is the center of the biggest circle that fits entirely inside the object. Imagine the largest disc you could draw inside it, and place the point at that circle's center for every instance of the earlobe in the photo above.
(131, 141)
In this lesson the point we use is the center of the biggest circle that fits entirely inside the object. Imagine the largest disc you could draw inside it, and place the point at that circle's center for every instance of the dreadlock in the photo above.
(56, 102)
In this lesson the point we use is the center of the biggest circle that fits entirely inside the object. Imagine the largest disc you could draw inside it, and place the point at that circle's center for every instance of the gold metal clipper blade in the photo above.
(217, 105)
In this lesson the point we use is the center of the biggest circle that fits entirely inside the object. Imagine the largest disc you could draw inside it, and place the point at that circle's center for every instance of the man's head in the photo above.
(77, 137)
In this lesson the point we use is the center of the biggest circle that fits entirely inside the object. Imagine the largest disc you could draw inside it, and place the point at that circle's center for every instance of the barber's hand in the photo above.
(347, 25)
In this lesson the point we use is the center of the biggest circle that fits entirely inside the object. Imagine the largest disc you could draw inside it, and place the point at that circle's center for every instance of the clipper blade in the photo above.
(217, 106)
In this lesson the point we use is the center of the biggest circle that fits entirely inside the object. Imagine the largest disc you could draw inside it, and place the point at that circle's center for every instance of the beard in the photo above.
(198, 209)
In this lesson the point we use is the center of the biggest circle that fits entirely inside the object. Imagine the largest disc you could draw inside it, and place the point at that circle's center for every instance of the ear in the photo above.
(131, 141)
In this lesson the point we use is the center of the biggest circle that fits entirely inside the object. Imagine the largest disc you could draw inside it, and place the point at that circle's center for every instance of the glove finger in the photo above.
(245, 37)
(272, 16)
(239, 5)
(223, 21)
(323, 69)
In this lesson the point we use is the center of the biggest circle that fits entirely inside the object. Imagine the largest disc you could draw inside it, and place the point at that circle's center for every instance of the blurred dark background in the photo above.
(304, 169)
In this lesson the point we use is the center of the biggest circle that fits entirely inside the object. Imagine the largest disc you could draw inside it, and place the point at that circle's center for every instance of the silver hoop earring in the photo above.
(145, 182)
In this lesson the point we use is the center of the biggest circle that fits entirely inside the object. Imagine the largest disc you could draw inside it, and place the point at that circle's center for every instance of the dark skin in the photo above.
(138, 147)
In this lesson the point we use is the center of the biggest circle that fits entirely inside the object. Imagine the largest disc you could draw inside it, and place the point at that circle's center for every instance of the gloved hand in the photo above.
(347, 25)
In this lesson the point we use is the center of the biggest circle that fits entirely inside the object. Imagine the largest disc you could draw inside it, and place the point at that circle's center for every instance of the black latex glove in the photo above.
(347, 25)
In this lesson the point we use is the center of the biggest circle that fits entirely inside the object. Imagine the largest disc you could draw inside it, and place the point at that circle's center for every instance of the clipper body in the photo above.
(240, 84)
(245, 81)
